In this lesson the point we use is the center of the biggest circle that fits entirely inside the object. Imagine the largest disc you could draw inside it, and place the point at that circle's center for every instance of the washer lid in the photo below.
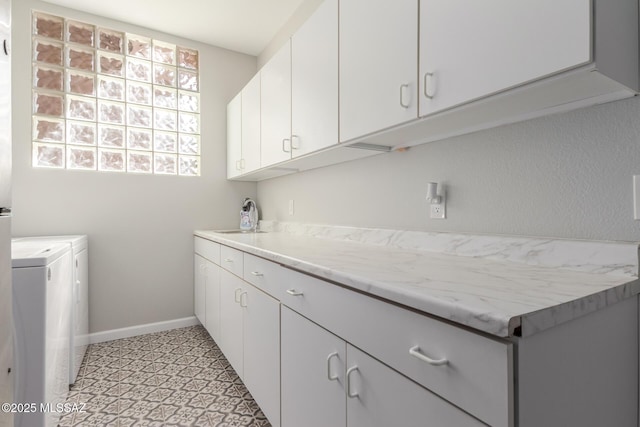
(27, 253)
(78, 242)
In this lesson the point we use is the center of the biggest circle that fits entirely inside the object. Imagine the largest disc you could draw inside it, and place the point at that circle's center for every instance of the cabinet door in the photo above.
(314, 81)
(251, 125)
(6, 318)
(212, 298)
(234, 136)
(262, 350)
(275, 110)
(378, 63)
(5, 104)
(470, 49)
(199, 302)
(378, 396)
(231, 319)
(313, 362)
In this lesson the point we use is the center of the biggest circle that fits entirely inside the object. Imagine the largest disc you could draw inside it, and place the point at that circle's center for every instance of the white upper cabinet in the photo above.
(378, 63)
(251, 125)
(471, 49)
(243, 130)
(314, 81)
(234, 136)
(275, 111)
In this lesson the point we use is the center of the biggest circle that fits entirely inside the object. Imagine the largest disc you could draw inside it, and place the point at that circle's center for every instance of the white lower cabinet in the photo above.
(231, 320)
(315, 354)
(328, 382)
(261, 350)
(212, 299)
(250, 340)
(199, 288)
(378, 396)
(207, 295)
(313, 368)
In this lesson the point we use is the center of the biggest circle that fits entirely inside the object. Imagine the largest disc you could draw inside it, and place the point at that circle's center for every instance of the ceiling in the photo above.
(242, 25)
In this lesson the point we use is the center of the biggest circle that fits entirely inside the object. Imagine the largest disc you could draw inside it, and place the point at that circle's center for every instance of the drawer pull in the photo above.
(294, 293)
(237, 297)
(243, 301)
(257, 274)
(349, 372)
(402, 92)
(428, 85)
(415, 352)
(228, 260)
(329, 376)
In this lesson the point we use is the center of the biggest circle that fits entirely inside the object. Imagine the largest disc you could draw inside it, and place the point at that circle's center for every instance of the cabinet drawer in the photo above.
(477, 375)
(231, 259)
(207, 249)
(264, 275)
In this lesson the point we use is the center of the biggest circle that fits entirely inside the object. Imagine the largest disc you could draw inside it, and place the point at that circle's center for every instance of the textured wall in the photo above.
(140, 227)
(567, 175)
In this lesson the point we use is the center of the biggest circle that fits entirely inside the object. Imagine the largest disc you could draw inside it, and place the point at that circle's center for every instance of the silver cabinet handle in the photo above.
(243, 301)
(415, 352)
(257, 274)
(284, 145)
(237, 298)
(295, 142)
(428, 80)
(329, 376)
(294, 293)
(402, 90)
(349, 372)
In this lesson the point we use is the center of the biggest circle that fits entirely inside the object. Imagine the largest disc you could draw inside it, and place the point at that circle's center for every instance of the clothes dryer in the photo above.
(41, 284)
(79, 328)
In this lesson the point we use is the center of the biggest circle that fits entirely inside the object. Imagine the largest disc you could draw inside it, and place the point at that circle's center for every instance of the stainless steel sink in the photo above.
(238, 231)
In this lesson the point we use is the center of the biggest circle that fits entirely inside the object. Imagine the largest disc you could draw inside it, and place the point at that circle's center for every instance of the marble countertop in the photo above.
(502, 286)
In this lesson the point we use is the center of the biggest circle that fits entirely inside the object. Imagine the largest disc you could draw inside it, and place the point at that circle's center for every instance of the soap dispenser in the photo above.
(248, 215)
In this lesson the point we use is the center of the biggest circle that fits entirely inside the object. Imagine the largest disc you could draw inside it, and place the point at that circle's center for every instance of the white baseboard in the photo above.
(149, 328)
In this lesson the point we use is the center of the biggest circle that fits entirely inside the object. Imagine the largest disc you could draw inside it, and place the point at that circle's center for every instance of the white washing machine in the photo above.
(41, 314)
(79, 338)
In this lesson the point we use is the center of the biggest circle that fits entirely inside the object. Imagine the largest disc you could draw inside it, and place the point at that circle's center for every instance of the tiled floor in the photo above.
(172, 378)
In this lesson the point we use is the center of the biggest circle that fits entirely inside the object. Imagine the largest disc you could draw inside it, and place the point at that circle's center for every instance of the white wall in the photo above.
(568, 175)
(140, 227)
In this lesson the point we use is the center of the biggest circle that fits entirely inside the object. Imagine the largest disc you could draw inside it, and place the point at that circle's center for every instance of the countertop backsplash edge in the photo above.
(597, 257)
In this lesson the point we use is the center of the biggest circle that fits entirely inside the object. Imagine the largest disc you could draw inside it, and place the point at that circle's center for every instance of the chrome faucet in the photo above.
(250, 205)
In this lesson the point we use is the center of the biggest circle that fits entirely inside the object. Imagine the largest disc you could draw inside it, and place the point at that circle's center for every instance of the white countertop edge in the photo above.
(494, 323)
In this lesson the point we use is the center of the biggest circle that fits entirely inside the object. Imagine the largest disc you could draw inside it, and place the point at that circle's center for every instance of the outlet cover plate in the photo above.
(437, 211)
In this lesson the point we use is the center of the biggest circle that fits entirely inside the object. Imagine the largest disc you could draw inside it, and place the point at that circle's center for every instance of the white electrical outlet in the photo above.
(636, 197)
(437, 211)
(291, 207)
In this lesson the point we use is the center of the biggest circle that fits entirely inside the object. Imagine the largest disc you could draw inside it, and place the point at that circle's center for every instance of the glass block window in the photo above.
(107, 100)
